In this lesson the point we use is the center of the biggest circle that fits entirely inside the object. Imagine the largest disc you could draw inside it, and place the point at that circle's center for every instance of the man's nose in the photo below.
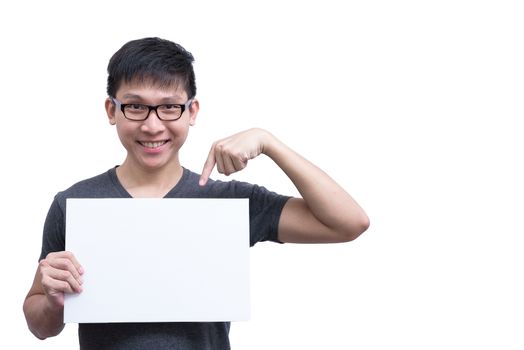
(153, 123)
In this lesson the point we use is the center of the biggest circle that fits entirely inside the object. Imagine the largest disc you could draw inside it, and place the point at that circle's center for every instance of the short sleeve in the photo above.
(265, 209)
(53, 239)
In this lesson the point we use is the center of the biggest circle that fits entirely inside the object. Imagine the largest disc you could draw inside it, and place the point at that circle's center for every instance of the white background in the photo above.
(413, 106)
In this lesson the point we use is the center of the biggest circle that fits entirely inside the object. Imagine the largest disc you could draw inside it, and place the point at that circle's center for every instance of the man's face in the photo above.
(151, 144)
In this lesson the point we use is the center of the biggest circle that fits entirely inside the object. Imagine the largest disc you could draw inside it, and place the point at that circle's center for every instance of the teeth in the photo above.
(153, 144)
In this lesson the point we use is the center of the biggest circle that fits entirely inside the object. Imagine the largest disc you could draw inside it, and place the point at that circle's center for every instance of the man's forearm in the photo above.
(43, 321)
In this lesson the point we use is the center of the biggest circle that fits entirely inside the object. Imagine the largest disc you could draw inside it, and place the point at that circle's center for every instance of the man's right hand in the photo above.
(60, 273)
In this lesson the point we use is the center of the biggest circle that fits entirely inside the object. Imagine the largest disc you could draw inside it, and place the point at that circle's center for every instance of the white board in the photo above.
(159, 260)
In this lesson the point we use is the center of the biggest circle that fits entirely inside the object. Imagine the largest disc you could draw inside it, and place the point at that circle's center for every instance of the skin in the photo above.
(326, 213)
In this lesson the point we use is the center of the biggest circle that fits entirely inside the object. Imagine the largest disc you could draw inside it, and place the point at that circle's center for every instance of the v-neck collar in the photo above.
(125, 194)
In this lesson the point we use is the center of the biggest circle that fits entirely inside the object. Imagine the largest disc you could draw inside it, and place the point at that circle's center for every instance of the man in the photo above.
(152, 102)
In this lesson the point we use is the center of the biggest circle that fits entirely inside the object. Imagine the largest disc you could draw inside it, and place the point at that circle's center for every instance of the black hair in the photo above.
(153, 60)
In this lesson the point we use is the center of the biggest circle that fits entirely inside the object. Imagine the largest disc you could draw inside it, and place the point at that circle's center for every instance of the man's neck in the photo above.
(141, 183)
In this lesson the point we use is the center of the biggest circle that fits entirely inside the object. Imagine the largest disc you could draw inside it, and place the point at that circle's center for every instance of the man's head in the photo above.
(152, 61)
(154, 76)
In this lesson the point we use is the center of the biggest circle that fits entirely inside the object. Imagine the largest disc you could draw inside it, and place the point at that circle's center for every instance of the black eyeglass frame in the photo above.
(183, 108)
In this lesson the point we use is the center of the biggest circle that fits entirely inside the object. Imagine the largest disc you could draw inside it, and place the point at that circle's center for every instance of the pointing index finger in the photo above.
(208, 167)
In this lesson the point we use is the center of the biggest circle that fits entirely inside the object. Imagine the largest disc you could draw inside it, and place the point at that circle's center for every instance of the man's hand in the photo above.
(60, 273)
(232, 153)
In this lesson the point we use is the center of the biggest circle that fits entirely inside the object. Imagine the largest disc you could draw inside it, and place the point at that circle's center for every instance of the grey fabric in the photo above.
(265, 208)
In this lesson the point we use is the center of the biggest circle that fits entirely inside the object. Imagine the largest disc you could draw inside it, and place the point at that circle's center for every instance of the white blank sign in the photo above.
(159, 260)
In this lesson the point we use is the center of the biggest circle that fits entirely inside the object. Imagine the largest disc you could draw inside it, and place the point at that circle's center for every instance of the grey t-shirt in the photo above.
(265, 208)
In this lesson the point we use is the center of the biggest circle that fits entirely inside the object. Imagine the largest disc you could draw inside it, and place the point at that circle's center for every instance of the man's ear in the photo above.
(193, 111)
(111, 111)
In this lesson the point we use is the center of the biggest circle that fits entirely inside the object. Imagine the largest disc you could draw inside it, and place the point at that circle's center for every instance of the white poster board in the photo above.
(159, 260)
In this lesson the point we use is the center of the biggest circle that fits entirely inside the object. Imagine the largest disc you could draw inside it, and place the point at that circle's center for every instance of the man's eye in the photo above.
(169, 108)
(136, 107)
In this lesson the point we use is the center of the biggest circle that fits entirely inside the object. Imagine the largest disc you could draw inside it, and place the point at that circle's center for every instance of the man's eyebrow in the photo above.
(167, 99)
(132, 96)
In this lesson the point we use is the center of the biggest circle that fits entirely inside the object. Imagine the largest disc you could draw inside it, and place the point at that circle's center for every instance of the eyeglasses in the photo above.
(140, 112)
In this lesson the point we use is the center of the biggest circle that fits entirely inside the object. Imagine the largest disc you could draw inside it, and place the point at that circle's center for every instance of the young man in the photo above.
(151, 88)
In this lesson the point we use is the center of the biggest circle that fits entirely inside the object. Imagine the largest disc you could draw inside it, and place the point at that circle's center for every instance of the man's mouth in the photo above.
(155, 144)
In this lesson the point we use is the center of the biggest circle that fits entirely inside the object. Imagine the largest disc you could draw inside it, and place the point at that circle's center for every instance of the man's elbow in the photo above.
(38, 336)
(355, 228)
(42, 335)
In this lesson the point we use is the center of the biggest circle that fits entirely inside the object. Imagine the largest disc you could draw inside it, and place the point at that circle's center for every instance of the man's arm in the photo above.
(326, 213)
(57, 274)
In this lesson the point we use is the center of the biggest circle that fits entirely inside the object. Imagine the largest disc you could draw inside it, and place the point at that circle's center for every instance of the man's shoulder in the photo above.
(98, 186)
(189, 187)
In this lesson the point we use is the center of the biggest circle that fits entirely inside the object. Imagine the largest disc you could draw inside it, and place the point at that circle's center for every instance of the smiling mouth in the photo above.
(153, 144)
